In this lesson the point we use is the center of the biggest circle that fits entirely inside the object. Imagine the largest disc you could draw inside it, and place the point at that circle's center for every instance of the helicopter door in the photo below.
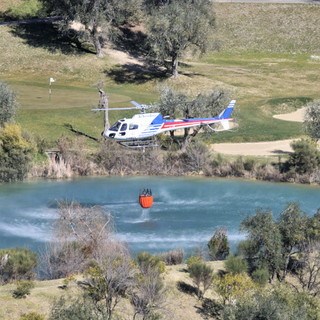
(123, 129)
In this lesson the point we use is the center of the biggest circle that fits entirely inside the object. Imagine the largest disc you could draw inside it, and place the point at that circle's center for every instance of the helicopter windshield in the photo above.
(116, 126)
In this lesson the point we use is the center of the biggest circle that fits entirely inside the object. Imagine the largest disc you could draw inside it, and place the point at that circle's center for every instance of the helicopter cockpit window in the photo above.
(123, 127)
(133, 126)
(116, 126)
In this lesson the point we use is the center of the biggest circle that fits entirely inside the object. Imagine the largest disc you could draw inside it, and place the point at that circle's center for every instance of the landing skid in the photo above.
(143, 143)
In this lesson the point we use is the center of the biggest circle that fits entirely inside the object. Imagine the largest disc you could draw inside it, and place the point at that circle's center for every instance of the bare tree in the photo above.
(307, 269)
(79, 235)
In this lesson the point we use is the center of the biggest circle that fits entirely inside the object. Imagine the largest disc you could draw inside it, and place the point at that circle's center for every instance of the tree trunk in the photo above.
(96, 41)
(174, 66)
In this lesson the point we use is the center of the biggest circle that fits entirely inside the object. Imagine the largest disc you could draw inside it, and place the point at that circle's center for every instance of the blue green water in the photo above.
(185, 213)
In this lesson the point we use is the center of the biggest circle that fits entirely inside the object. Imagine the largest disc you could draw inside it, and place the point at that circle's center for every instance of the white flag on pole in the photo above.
(52, 80)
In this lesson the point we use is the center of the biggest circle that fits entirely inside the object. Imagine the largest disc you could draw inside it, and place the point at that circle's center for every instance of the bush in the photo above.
(32, 316)
(305, 158)
(16, 154)
(218, 245)
(260, 276)
(23, 289)
(172, 257)
(201, 274)
(236, 264)
(147, 261)
(17, 264)
(192, 260)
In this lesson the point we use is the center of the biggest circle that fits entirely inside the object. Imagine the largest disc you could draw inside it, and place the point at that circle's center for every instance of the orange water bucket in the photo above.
(145, 201)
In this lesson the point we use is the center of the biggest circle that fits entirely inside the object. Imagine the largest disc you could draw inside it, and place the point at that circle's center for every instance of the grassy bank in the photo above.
(179, 305)
(267, 54)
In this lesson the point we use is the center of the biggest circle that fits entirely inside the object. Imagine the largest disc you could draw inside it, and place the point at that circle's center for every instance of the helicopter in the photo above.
(139, 130)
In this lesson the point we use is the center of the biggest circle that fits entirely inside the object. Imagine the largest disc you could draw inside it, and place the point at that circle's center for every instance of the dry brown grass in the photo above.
(179, 305)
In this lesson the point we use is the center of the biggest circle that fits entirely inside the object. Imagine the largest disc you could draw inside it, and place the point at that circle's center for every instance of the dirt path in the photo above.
(267, 148)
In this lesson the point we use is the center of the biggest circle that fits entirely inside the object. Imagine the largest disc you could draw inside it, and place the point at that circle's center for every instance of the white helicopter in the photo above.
(138, 130)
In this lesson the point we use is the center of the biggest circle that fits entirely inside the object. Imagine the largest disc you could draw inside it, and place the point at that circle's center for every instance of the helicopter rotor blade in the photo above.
(102, 109)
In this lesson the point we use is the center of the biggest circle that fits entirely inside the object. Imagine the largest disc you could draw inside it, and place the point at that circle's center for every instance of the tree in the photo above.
(312, 120)
(176, 104)
(292, 224)
(176, 26)
(8, 103)
(305, 157)
(201, 274)
(97, 16)
(264, 245)
(80, 235)
(17, 264)
(218, 245)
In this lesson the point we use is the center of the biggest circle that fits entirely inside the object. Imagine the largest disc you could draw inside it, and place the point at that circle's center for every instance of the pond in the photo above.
(185, 213)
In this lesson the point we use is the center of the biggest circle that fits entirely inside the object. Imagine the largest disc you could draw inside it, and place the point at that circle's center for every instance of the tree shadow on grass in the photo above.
(136, 73)
(48, 36)
(186, 288)
(210, 309)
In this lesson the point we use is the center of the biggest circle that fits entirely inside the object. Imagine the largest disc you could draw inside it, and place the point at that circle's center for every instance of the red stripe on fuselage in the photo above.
(173, 125)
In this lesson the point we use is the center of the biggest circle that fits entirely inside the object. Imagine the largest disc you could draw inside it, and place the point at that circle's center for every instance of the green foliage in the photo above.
(32, 316)
(81, 308)
(260, 276)
(312, 120)
(23, 289)
(192, 260)
(16, 154)
(201, 274)
(146, 261)
(218, 245)
(263, 307)
(17, 264)
(25, 10)
(264, 247)
(305, 157)
(8, 103)
(232, 287)
(180, 25)
(236, 264)
(98, 17)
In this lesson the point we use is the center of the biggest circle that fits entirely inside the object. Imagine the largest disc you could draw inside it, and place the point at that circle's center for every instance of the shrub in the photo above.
(16, 153)
(260, 276)
(17, 264)
(232, 287)
(172, 257)
(32, 316)
(218, 245)
(236, 264)
(23, 289)
(305, 158)
(192, 260)
(147, 261)
(201, 274)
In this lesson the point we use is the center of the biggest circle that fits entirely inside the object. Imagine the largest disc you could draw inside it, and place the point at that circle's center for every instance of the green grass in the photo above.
(267, 58)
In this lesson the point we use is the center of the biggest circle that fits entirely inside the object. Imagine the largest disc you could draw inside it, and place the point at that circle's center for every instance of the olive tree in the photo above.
(312, 120)
(177, 26)
(177, 104)
(97, 16)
